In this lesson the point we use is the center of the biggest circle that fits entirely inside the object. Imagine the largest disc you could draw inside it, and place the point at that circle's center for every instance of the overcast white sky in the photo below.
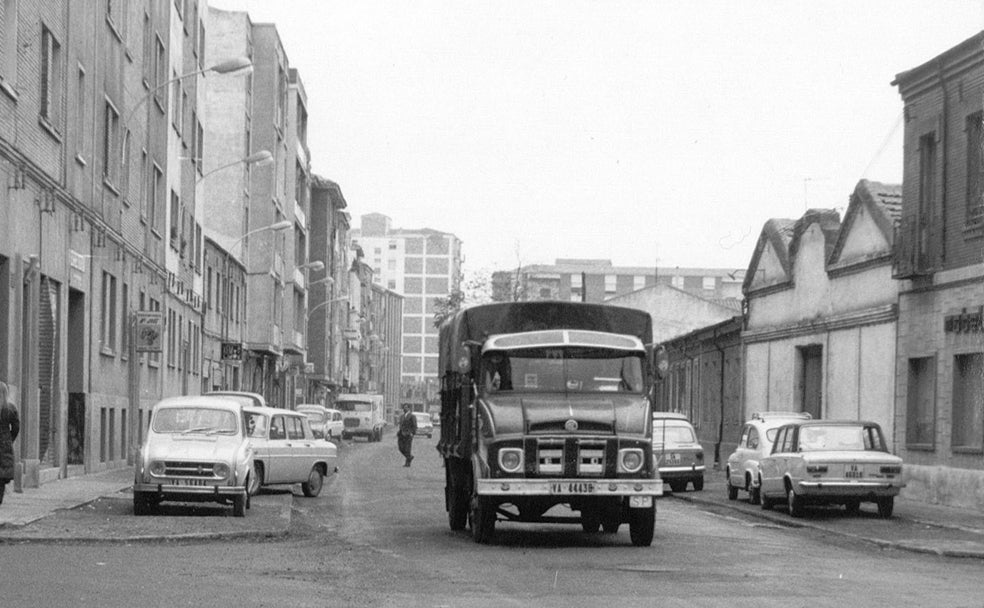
(648, 133)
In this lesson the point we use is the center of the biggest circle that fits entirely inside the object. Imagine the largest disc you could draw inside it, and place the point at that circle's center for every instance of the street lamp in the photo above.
(320, 304)
(263, 157)
(281, 225)
(316, 266)
(328, 280)
(236, 65)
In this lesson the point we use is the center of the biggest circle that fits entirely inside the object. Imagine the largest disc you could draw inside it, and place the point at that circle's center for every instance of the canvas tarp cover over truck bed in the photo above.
(479, 322)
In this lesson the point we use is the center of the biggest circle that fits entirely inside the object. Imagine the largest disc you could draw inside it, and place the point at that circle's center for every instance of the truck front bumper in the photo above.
(570, 487)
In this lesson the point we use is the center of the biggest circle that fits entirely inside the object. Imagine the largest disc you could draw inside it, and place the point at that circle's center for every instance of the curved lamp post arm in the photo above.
(262, 157)
(236, 64)
(281, 225)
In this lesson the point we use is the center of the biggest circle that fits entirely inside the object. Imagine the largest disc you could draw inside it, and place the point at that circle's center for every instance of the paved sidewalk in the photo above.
(99, 508)
(22, 508)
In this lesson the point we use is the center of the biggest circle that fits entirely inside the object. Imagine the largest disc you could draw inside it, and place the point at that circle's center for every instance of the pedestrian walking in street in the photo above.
(404, 436)
(9, 429)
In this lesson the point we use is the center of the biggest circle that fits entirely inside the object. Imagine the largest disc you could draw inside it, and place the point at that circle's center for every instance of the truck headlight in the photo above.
(511, 460)
(157, 468)
(630, 460)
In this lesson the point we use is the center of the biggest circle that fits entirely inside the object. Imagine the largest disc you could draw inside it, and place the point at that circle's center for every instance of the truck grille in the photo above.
(174, 468)
(571, 457)
(351, 422)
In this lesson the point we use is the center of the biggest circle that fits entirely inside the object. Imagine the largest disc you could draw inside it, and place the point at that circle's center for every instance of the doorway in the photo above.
(811, 379)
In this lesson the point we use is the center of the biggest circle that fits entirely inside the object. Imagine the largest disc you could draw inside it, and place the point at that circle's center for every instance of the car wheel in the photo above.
(255, 479)
(315, 480)
(755, 495)
(239, 505)
(328, 436)
(853, 506)
(886, 506)
(764, 501)
(698, 484)
(345, 436)
(732, 490)
(642, 523)
(143, 504)
(482, 519)
(794, 502)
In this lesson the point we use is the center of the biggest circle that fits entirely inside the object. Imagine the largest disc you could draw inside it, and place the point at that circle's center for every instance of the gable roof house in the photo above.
(821, 311)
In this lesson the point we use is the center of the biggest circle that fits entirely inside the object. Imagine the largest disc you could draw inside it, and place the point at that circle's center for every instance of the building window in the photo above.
(709, 283)
(638, 282)
(160, 71)
(920, 426)
(51, 66)
(176, 103)
(175, 219)
(109, 319)
(677, 281)
(80, 106)
(927, 196)
(968, 402)
(156, 195)
(111, 137)
(975, 167)
(610, 282)
(577, 280)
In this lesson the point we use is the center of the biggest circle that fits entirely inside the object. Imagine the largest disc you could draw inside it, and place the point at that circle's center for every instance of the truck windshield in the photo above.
(574, 369)
(354, 406)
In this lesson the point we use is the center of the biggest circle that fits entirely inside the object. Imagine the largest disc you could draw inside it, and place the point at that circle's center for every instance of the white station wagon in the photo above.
(286, 450)
(196, 450)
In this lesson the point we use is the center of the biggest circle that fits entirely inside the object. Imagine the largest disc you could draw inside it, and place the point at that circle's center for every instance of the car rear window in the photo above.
(672, 432)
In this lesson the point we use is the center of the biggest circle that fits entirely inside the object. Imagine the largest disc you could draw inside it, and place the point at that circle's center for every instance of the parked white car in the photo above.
(196, 450)
(285, 450)
(244, 398)
(325, 422)
(754, 444)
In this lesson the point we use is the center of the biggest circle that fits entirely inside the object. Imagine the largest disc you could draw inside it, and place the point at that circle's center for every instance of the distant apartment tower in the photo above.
(422, 264)
(594, 280)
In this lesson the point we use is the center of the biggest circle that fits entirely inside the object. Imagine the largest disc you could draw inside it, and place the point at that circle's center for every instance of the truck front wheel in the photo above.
(458, 495)
(642, 523)
(482, 519)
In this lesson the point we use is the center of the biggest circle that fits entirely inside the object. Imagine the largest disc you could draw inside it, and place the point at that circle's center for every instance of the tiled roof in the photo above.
(887, 196)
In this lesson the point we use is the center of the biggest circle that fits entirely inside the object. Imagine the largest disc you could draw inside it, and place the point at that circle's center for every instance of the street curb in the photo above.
(885, 544)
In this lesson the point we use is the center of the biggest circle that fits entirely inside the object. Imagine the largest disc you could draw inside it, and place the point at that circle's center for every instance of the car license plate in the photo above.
(190, 482)
(674, 457)
(573, 487)
(640, 502)
(853, 472)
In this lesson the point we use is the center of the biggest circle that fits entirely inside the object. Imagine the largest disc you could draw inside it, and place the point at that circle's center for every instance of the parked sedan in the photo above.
(831, 462)
(754, 444)
(196, 450)
(677, 452)
(424, 424)
(285, 450)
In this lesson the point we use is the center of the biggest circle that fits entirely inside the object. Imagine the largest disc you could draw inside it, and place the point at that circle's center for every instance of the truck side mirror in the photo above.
(661, 362)
(464, 358)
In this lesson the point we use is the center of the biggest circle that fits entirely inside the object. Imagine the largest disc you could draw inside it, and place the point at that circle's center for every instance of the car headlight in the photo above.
(630, 460)
(511, 460)
(157, 468)
(220, 470)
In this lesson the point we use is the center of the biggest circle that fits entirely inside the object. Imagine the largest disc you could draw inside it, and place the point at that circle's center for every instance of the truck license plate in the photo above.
(573, 487)
(640, 502)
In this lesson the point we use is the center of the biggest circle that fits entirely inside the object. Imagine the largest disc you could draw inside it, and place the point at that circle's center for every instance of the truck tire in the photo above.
(143, 504)
(642, 524)
(482, 519)
(457, 496)
(590, 520)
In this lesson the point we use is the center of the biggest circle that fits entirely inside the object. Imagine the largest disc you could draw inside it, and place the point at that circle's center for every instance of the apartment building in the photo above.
(422, 264)
(596, 280)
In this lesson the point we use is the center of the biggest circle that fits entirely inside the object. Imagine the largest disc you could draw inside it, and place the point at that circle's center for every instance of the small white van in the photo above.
(362, 415)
